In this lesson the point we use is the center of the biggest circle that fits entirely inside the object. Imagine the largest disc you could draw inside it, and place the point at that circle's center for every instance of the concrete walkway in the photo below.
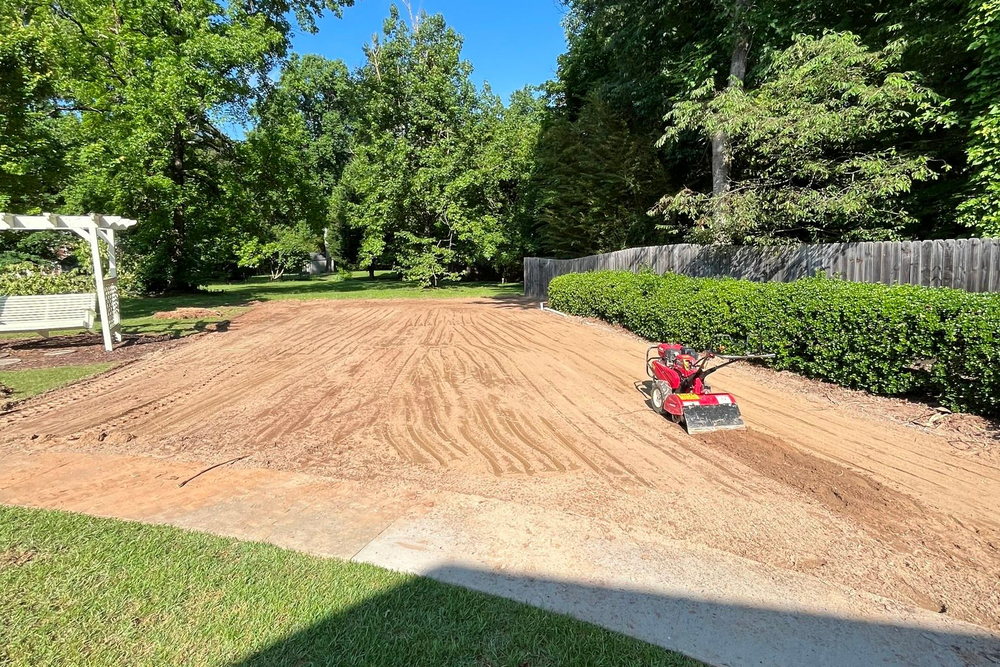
(705, 603)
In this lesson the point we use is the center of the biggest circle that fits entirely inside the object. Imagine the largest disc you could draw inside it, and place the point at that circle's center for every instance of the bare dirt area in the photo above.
(977, 435)
(499, 399)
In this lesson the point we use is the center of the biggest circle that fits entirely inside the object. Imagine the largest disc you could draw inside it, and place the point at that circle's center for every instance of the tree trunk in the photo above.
(371, 272)
(720, 163)
(326, 250)
(179, 278)
(721, 153)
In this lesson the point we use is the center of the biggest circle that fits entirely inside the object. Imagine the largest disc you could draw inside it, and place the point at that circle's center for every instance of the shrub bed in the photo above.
(900, 340)
(26, 279)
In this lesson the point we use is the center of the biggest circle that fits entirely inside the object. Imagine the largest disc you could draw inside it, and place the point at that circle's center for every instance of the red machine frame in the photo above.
(680, 391)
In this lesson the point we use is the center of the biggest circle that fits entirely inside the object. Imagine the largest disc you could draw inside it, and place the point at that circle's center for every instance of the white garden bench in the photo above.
(47, 312)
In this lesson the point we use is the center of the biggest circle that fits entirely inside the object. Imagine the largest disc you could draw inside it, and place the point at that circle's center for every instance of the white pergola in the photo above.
(93, 228)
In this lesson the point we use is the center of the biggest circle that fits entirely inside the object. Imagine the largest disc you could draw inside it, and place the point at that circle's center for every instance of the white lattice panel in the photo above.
(114, 306)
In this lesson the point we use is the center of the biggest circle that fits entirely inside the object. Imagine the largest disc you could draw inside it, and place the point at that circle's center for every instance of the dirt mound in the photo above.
(187, 314)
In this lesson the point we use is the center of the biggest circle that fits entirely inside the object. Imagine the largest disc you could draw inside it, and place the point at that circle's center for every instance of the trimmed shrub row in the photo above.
(900, 340)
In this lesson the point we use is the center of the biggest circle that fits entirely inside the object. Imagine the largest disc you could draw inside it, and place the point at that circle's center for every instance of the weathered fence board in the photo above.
(969, 264)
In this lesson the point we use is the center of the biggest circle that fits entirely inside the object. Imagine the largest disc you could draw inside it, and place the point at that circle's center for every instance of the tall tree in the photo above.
(421, 187)
(33, 129)
(816, 147)
(152, 81)
(505, 164)
(642, 57)
(313, 96)
(594, 182)
(721, 149)
(296, 153)
(982, 210)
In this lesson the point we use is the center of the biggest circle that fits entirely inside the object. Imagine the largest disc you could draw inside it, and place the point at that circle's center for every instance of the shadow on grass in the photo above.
(174, 328)
(422, 624)
(515, 301)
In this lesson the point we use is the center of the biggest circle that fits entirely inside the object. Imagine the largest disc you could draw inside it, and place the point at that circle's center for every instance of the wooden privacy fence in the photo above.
(969, 264)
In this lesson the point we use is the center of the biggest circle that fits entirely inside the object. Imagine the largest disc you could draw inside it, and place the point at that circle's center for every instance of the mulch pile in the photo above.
(85, 348)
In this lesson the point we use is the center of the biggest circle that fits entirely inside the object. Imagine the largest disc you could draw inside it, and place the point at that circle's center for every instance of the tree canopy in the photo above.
(438, 166)
(728, 121)
(809, 149)
(982, 210)
(770, 107)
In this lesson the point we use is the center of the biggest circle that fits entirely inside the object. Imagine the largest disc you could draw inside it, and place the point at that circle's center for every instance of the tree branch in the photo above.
(58, 9)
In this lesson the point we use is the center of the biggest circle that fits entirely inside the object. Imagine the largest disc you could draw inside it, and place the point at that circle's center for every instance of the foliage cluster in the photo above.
(782, 121)
(48, 248)
(778, 121)
(806, 161)
(436, 182)
(403, 163)
(982, 210)
(899, 340)
(27, 278)
(120, 106)
(287, 253)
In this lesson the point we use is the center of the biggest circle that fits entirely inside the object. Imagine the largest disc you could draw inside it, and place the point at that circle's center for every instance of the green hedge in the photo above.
(900, 340)
(26, 279)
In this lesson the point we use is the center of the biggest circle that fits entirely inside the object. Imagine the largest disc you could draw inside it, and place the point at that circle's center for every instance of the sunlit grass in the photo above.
(27, 383)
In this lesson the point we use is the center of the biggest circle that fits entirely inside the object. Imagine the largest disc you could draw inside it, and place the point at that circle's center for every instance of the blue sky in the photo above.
(510, 44)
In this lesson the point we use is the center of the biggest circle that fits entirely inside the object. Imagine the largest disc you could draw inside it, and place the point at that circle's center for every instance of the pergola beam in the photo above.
(53, 221)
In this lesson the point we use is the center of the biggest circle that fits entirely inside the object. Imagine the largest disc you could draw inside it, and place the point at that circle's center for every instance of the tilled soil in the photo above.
(500, 399)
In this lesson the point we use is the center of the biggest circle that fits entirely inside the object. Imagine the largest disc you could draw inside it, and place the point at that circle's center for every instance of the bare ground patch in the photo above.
(11, 558)
(498, 399)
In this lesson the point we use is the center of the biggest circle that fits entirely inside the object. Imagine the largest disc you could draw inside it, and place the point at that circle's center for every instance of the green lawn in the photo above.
(31, 382)
(79, 590)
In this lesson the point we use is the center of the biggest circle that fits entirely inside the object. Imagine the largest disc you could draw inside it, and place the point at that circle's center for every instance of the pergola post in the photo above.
(102, 297)
(107, 289)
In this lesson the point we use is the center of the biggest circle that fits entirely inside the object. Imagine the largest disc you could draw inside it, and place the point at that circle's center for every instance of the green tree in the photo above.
(312, 100)
(595, 180)
(34, 133)
(815, 148)
(33, 129)
(296, 153)
(504, 167)
(982, 210)
(424, 188)
(639, 58)
(152, 81)
(287, 252)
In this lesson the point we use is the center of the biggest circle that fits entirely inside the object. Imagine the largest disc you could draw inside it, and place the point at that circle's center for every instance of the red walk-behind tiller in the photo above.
(679, 389)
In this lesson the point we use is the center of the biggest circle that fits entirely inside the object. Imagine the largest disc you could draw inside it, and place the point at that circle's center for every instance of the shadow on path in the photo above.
(409, 625)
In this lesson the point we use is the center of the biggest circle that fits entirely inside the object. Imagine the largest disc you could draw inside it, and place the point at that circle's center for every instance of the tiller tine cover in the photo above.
(707, 418)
